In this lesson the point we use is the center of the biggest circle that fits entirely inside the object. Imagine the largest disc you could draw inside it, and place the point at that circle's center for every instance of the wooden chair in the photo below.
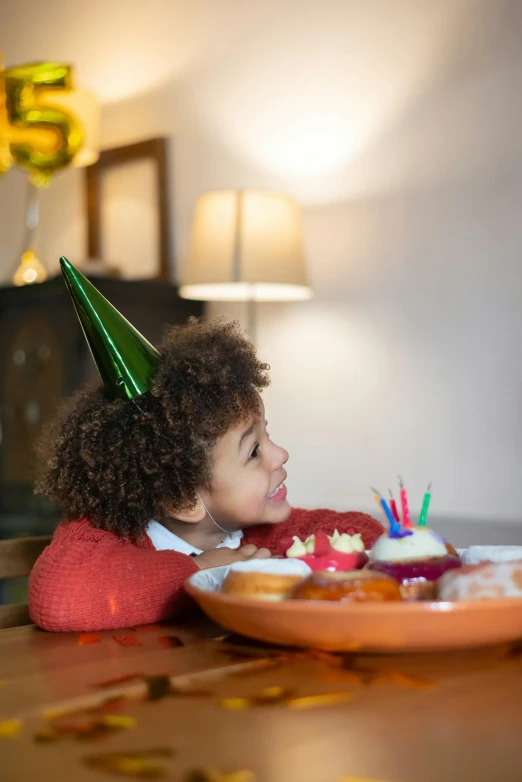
(17, 557)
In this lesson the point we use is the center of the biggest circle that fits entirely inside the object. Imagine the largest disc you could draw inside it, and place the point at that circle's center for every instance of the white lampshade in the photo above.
(245, 245)
(85, 108)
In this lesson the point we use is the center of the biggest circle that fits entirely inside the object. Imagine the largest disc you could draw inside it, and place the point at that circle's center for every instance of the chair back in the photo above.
(17, 557)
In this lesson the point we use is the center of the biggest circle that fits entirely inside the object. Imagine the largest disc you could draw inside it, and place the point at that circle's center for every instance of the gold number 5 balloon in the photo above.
(43, 138)
(5, 155)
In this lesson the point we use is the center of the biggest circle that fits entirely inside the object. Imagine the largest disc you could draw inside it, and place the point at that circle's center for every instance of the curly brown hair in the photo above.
(119, 465)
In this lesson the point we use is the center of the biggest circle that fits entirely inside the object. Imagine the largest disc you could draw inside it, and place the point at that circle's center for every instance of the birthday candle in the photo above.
(387, 512)
(425, 506)
(406, 522)
(394, 508)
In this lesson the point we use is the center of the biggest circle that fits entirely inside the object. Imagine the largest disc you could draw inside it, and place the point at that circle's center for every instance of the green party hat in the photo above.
(126, 361)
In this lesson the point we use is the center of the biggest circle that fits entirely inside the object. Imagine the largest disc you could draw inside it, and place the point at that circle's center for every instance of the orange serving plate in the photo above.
(369, 627)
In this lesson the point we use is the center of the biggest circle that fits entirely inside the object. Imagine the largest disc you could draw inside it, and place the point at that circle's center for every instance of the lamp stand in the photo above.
(252, 317)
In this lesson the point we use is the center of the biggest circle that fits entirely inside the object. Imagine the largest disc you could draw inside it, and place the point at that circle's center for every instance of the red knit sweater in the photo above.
(87, 579)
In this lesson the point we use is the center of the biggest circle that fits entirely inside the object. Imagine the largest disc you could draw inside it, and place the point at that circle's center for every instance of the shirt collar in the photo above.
(165, 540)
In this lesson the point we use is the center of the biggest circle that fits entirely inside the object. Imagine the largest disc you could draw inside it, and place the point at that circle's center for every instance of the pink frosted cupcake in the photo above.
(329, 553)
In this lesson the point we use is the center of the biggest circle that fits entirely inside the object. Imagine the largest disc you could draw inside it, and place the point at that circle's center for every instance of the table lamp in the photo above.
(246, 246)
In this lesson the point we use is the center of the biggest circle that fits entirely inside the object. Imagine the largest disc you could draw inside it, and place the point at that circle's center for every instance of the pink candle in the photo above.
(404, 503)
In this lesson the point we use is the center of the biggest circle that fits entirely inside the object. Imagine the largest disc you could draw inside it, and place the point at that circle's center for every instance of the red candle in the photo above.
(394, 508)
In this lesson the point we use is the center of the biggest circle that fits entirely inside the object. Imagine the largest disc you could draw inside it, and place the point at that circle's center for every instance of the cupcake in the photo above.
(329, 553)
(415, 560)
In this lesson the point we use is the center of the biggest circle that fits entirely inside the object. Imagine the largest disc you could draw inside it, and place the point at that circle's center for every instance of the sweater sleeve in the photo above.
(97, 582)
(302, 523)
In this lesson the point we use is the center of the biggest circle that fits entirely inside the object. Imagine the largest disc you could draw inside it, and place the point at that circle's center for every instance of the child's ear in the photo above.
(191, 515)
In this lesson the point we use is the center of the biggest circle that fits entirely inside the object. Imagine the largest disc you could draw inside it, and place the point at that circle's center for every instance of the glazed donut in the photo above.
(264, 579)
(356, 586)
(487, 580)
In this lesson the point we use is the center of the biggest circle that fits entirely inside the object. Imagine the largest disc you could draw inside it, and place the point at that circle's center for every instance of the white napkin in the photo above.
(475, 554)
(213, 578)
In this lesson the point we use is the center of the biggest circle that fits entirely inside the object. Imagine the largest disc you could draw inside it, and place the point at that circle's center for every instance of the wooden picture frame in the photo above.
(154, 150)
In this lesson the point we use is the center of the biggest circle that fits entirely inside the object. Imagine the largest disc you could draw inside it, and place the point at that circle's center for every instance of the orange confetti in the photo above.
(403, 679)
(336, 660)
(88, 638)
(170, 641)
(127, 640)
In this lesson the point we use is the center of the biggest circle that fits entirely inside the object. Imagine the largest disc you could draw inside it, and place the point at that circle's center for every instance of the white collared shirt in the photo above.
(165, 540)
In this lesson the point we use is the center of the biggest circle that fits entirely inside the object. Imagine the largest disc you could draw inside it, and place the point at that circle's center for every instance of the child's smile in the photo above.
(279, 493)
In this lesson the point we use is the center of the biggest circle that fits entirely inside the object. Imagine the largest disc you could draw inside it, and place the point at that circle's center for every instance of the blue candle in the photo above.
(395, 527)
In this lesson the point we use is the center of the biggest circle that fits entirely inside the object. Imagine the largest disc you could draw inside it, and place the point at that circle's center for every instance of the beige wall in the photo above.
(397, 124)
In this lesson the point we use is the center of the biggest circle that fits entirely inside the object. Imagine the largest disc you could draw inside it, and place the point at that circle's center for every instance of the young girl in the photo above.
(157, 484)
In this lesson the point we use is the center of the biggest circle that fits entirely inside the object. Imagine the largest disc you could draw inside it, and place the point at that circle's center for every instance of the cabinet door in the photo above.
(33, 383)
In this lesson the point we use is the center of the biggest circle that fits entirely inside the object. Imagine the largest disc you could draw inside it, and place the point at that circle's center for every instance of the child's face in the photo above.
(248, 477)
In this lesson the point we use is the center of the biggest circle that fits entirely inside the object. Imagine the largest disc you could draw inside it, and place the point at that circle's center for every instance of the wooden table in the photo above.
(453, 717)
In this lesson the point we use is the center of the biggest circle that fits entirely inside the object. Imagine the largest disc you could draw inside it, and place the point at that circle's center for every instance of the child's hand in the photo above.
(217, 557)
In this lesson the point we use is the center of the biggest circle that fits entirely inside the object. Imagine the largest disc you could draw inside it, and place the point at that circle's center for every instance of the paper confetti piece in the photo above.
(170, 641)
(110, 702)
(9, 729)
(88, 638)
(415, 682)
(119, 721)
(145, 765)
(266, 697)
(211, 775)
(335, 660)
(84, 729)
(278, 695)
(315, 701)
(127, 640)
